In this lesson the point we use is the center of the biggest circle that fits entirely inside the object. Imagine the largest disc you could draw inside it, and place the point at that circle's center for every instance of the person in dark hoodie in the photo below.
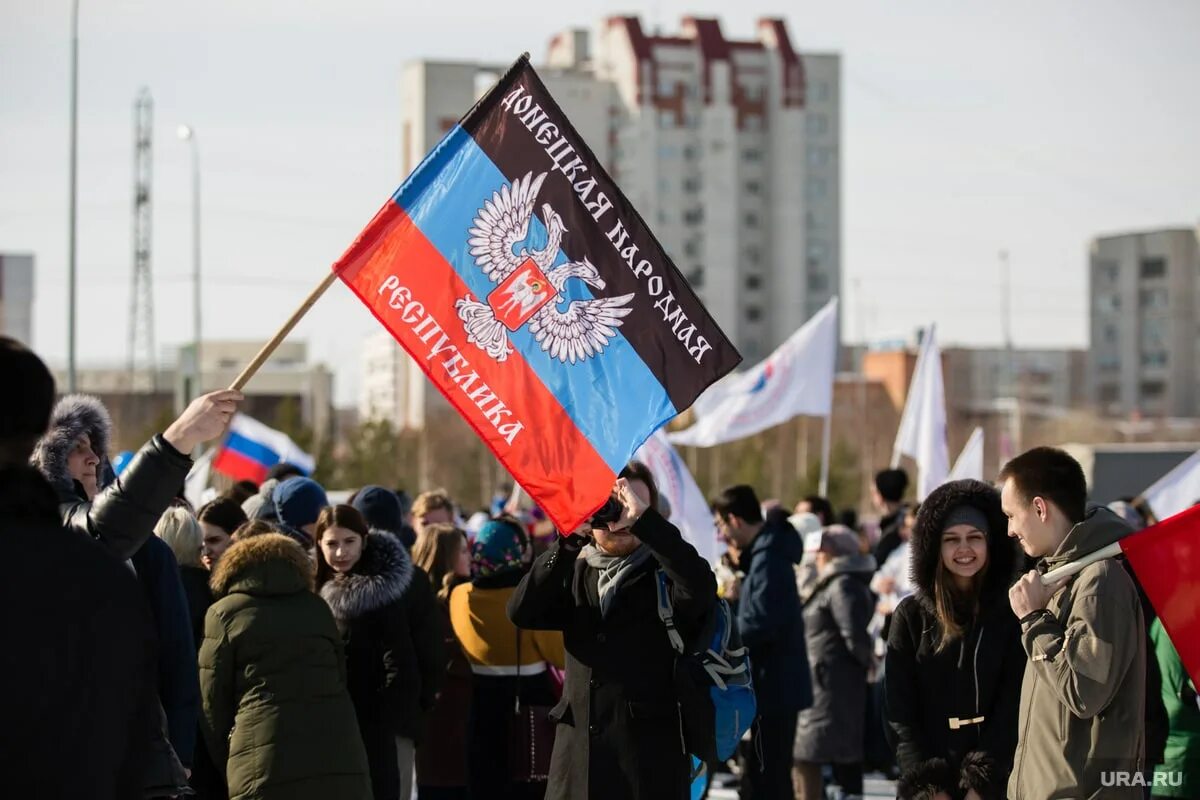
(768, 617)
(384, 511)
(78, 665)
(384, 607)
(836, 610)
(954, 659)
(73, 456)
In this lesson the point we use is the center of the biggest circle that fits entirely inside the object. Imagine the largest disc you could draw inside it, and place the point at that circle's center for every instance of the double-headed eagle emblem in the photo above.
(529, 287)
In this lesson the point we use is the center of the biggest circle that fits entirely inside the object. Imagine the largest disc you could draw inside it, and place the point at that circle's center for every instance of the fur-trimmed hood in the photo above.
(380, 578)
(73, 416)
(926, 541)
(269, 564)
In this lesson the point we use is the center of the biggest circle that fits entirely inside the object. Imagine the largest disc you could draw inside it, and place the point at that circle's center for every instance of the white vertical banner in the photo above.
(922, 434)
(970, 460)
(689, 510)
(795, 379)
(1177, 490)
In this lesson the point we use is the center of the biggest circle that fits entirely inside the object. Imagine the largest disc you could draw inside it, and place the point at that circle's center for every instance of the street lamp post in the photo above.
(188, 134)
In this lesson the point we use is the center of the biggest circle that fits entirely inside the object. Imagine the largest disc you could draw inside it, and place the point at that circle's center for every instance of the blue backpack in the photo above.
(716, 692)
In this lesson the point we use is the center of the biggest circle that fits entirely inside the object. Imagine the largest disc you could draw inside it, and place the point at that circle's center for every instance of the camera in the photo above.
(609, 512)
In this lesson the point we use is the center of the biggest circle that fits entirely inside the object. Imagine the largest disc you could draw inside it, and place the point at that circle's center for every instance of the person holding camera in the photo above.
(619, 732)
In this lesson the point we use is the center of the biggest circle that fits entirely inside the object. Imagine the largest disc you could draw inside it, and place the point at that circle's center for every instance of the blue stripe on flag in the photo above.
(251, 449)
(594, 397)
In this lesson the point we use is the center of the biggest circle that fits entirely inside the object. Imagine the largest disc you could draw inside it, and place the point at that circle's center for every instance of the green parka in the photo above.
(1179, 774)
(277, 719)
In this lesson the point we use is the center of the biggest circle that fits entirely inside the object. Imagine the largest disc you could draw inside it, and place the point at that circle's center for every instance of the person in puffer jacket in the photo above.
(954, 657)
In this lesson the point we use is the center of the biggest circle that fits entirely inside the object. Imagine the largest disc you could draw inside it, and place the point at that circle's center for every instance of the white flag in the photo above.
(796, 379)
(196, 482)
(1177, 490)
(922, 434)
(970, 460)
(689, 509)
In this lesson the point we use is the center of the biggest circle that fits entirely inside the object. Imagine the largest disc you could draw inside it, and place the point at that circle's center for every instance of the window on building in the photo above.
(752, 154)
(1109, 392)
(1153, 299)
(691, 184)
(753, 123)
(750, 219)
(818, 124)
(818, 156)
(1107, 271)
(695, 277)
(818, 282)
(1108, 303)
(1107, 362)
(1109, 334)
(753, 313)
(691, 248)
(753, 187)
(666, 118)
(667, 86)
(821, 90)
(1154, 333)
(1155, 358)
(689, 152)
(1153, 389)
(753, 282)
(1154, 268)
(668, 151)
(694, 216)
(753, 255)
(816, 188)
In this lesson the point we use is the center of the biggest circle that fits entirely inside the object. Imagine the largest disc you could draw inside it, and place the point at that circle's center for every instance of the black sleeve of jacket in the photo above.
(426, 629)
(543, 600)
(122, 517)
(902, 690)
(694, 586)
(998, 735)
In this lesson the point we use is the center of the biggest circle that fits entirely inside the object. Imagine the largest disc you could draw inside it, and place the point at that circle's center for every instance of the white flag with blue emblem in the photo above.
(689, 510)
(796, 379)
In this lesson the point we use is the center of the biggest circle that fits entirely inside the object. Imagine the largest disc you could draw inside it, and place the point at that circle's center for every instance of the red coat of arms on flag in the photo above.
(520, 295)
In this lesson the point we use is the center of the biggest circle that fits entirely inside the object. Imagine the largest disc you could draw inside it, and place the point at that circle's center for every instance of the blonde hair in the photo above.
(180, 530)
(432, 500)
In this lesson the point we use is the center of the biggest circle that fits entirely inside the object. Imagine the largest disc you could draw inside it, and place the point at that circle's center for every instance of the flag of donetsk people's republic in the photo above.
(515, 272)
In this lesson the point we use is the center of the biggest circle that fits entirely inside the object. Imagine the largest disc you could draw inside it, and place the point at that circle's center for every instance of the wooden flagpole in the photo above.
(267, 349)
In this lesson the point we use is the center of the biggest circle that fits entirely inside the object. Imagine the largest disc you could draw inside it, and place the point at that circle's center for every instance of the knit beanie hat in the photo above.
(966, 514)
(298, 501)
(380, 507)
(497, 549)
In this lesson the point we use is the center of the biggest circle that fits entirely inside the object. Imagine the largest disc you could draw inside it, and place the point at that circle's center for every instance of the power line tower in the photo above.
(141, 302)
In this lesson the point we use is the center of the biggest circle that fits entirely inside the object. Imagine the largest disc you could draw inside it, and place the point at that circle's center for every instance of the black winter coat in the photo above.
(78, 703)
(769, 620)
(618, 735)
(390, 623)
(930, 694)
(836, 616)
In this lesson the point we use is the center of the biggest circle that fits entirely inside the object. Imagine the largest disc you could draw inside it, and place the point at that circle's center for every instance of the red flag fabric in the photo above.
(1166, 559)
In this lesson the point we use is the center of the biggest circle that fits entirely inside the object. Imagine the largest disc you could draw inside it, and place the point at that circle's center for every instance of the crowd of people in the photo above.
(272, 644)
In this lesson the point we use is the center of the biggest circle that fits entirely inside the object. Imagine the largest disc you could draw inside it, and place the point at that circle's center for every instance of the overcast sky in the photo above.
(968, 128)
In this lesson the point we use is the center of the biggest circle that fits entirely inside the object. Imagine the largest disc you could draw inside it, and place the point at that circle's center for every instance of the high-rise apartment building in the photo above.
(1144, 309)
(729, 148)
(16, 297)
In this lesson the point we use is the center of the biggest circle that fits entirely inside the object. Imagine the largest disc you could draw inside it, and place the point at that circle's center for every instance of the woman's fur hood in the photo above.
(380, 578)
(927, 537)
(268, 564)
(73, 416)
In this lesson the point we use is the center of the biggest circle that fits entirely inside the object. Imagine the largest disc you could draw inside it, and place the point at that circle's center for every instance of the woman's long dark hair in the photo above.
(954, 608)
(342, 516)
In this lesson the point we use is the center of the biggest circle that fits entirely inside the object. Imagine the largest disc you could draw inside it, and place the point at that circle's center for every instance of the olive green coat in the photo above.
(277, 717)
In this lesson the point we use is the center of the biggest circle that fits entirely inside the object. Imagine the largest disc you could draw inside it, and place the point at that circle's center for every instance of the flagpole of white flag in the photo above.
(970, 461)
(826, 443)
(689, 509)
(1177, 490)
(922, 433)
(796, 379)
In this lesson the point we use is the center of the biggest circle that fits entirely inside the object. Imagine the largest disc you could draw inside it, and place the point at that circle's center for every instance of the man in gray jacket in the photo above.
(1081, 730)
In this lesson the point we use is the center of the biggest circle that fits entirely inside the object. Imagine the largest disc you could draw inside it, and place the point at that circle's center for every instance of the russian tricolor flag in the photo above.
(534, 296)
(251, 449)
